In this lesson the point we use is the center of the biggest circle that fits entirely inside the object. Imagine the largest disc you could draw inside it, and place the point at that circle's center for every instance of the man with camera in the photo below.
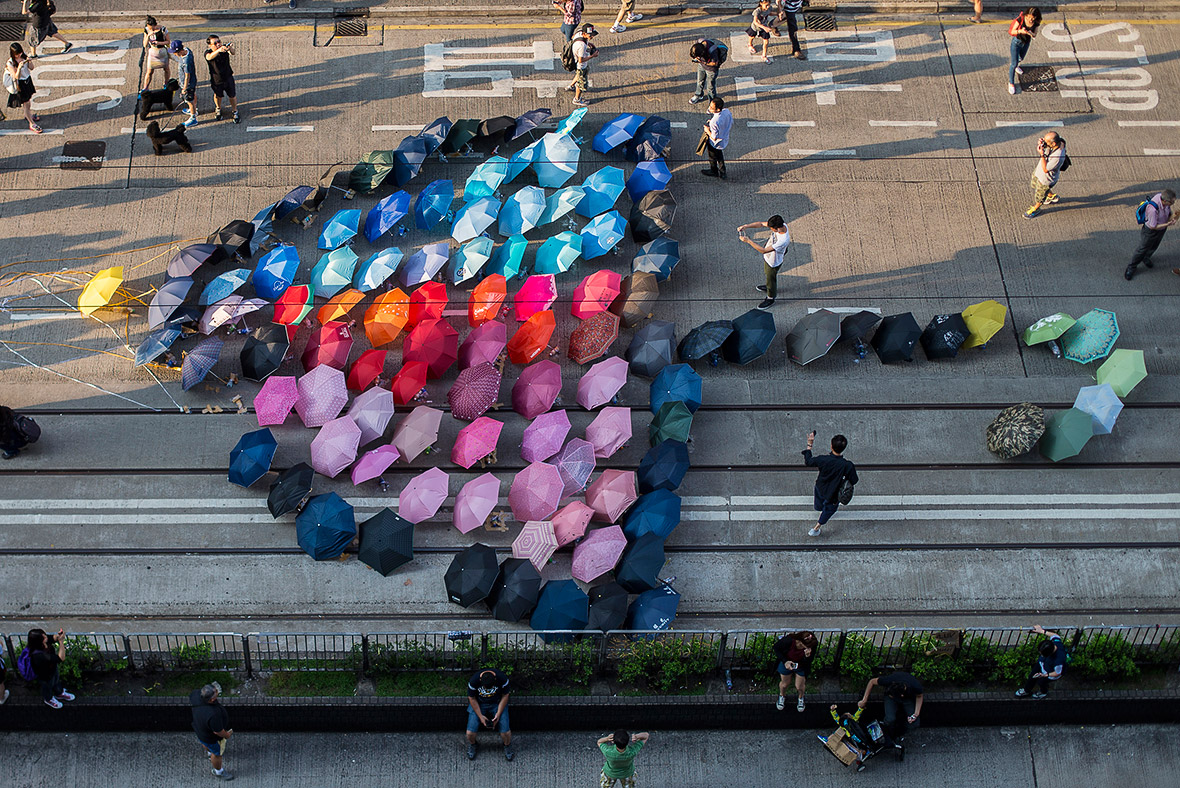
(221, 75)
(1051, 149)
(211, 724)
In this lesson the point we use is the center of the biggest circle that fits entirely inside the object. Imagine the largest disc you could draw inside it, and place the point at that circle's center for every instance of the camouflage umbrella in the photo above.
(1016, 430)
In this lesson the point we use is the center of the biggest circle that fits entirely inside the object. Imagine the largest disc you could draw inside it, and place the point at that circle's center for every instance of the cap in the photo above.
(176, 45)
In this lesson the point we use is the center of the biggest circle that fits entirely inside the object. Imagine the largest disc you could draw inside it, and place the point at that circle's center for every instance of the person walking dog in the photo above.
(834, 470)
(155, 49)
(1155, 216)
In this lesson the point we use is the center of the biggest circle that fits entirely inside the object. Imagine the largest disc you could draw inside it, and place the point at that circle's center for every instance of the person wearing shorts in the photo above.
(487, 706)
(764, 25)
(584, 52)
(619, 751)
(626, 14)
(221, 75)
(211, 724)
(155, 50)
(41, 27)
(797, 652)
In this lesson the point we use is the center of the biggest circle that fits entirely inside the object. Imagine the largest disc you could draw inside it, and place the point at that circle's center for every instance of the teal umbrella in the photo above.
(334, 272)
(469, 259)
(1091, 337)
(602, 234)
(556, 160)
(486, 179)
(507, 257)
(373, 272)
(474, 217)
(673, 421)
(602, 191)
(433, 204)
(1066, 433)
(520, 161)
(522, 211)
(560, 203)
(568, 123)
(558, 253)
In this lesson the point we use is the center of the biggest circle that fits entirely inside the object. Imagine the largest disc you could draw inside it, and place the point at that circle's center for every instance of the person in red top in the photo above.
(796, 652)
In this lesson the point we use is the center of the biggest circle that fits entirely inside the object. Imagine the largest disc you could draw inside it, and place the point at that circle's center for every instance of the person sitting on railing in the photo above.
(1048, 667)
(487, 700)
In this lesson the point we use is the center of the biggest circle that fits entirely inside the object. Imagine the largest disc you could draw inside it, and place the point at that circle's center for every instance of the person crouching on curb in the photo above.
(1048, 667)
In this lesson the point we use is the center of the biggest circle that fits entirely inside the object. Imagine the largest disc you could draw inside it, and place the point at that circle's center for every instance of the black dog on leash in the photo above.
(150, 98)
(161, 138)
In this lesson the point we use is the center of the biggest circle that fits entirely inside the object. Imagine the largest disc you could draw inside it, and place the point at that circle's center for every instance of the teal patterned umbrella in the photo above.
(1091, 337)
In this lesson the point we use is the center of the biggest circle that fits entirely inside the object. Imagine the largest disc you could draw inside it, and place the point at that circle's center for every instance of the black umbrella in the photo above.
(460, 133)
(651, 140)
(639, 568)
(290, 490)
(387, 541)
(608, 607)
(637, 293)
(371, 171)
(264, 351)
(652, 216)
(752, 334)
(234, 238)
(435, 133)
(515, 592)
(663, 467)
(813, 336)
(651, 348)
(858, 325)
(407, 159)
(894, 340)
(705, 341)
(471, 575)
(530, 120)
(493, 132)
(944, 335)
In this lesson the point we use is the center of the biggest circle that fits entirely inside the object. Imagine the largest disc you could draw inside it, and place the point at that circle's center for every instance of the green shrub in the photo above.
(1014, 663)
(926, 663)
(571, 663)
(860, 659)
(386, 659)
(758, 654)
(194, 656)
(667, 664)
(1105, 656)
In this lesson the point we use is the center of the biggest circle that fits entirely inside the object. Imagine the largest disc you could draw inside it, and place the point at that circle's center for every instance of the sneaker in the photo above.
(53, 703)
(65, 695)
(1012, 89)
(634, 18)
(618, 28)
(188, 124)
(1019, 70)
(5, 698)
(237, 118)
(800, 705)
(814, 531)
(709, 173)
(767, 303)
(768, 59)
(69, 46)
(900, 750)
(696, 99)
(1020, 693)
(509, 753)
(781, 703)
(860, 766)
(225, 774)
(186, 110)
(472, 749)
(1176, 271)
(8, 455)
(1031, 213)
(800, 56)
(761, 288)
(1052, 199)
(1039, 695)
(580, 102)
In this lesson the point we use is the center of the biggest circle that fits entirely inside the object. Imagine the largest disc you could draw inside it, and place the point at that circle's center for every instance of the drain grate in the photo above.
(12, 30)
(1039, 79)
(351, 28)
(85, 155)
(819, 22)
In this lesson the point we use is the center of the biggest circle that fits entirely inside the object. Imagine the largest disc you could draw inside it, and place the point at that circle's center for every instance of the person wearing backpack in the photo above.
(40, 15)
(43, 662)
(1053, 161)
(708, 55)
(1155, 216)
(1050, 663)
(16, 432)
(576, 57)
(834, 483)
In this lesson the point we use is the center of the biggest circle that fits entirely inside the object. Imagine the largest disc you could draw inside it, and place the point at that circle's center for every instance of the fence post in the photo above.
(126, 651)
(8, 650)
(839, 652)
(1077, 638)
(721, 644)
(364, 655)
(483, 649)
(600, 667)
(246, 655)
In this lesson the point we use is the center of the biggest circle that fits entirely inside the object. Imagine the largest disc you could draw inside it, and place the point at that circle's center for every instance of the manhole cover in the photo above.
(87, 155)
(1039, 79)
(12, 30)
(819, 22)
(351, 28)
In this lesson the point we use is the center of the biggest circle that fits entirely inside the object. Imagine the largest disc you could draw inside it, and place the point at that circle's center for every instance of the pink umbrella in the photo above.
(424, 494)
(611, 494)
(537, 388)
(334, 448)
(575, 462)
(535, 492)
(476, 441)
(595, 293)
(570, 522)
(543, 438)
(322, 395)
(416, 431)
(598, 553)
(536, 543)
(602, 382)
(275, 399)
(372, 410)
(536, 295)
(485, 343)
(373, 463)
(475, 502)
(610, 429)
(474, 391)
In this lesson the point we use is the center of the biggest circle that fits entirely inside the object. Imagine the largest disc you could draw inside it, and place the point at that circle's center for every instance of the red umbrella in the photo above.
(366, 369)
(408, 381)
(293, 305)
(476, 389)
(593, 337)
(537, 388)
(428, 302)
(434, 342)
(595, 293)
(532, 337)
(485, 343)
(329, 344)
(486, 300)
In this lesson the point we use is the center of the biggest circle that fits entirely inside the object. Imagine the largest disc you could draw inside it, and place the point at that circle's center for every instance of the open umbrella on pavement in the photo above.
(263, 222)
(858, 325)
(651, 348)
(325, 527)
(417, 431)
(375, 270)
(493, 132)
(275, 271)
(222, 286)
(673, 421)
(637, 293)
(752, 334)
(293, 305)
(601, 191)
(170, 296)
(340, 229)
(602, 382)
(529, 121)
(1091, 337)
(334, 448)
(329, 345)
(813, 336)
(435, 133)
(593, 337)
(425, 263)
(386, 214)
(560, 203)
(485, 179)
(275, 399)
(562, 606)
(1123, 371)
(334, 272)
(535, 543)
(598, 553)
(537, 388)
(535, 492)
(192, 257)
(322, 395)
(469, 259)
(705, 341)
(659, 256)
(569, 524)
(676, 382)
(1016, 430)
(944, 335)
(474, 217)
(648, 176)
(408, 381)
(433, 204)
(537, 294)
(984, 320)
(652, 216)
(651, 140)
(895, 338)
(250, 459)
(199, 361)
(531, 338)
(371, 171)
(653, 610)
(471, 575)
(506, 258)
(616, 131)
(1102, 404)
(545, 436)
(1047, 328)
(575, 463)
(387, 316)
(408, 157)
(1066, 434)
(475, 502)
(301, 199)
(611, 494)
(422, 496)
(609, 430)
(515, 592)
(656, 512)
(372, 411)
(433, 342)
(608, 607)
(427, 302)
(521, 160)
(290, 490)
(483, 345)
(476, 441)
(339, 306)
(264, 351)
(234, 238)
(556, 160)
(663, 466)
(557, 254)
(602, 233)
(639, 569)
(387, 541)
(595, 293)
(487, 298)
(571, 121)
(154, 344)
(228, 311)
(373, 463)
(522, 211)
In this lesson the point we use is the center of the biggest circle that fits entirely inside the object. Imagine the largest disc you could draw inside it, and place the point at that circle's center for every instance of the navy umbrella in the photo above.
(433, 203)
(608, 607)
(325, 527)
(434, 134)
(471, 575)
(663, 467)
(705, 341)
(168, 299)
(387, 541)
(492, 132)
(562, 605)
(184, 314)
(651, 348)
(676, 382)
(263, 222)
(250, 460)
(944, 335)
(656, 512)
(407, 159)
(515, 592)
(752, 334)
(659, 256)
(639, 568)
(293, 201)
(264, 351)
(651, 140)
(895, 338)
(653, 610)
(288, 492)
(530, 120)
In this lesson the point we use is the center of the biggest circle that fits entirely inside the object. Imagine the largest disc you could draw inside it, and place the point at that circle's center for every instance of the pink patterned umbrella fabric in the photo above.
(417, 431)
(475, 502)
(611, 494)
(474, 391)
(372, 410)
(575, 462)
(484, 343)
(543, 438)
(537, 388)
(610, 429)
(598, 553)
(536, 295)
(602, 382)
(476, 441)
(536, 542)
(535, 492)
(423, 495)
(275, 399)
(322, 395)
(334, 448)
(569, 524)
(373, 463)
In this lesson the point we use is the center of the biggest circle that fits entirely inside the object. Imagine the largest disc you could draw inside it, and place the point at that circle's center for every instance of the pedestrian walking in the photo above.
(619, 750)
(487, 706)
(16, 431)
(188, 79)
(626, 14)
(717, 138)
(1155, 217)
(155, 49)
(978, 11)
(903, 693)
(583, 52)
(796, 652)
(763, 25)
(772, 254)
(834, 470)
(18, 81)
(46, 653)
(211, 724)
(1053, 159)
(708, 55)
(1022, 31)
(1050, 663)
(571, 16)
(788, 11)
(221, 76)
(40, 16)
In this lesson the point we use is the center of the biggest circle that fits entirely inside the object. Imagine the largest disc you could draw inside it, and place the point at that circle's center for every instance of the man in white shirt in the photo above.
(772, 254)
(1052, 152)
(583, 51)
(717, 130)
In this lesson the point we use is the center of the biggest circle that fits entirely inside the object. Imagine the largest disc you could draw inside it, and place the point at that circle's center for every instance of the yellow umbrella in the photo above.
(984, 320)
(98, 291)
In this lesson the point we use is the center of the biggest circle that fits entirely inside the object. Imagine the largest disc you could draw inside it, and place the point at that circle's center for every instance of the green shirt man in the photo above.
(620, 750)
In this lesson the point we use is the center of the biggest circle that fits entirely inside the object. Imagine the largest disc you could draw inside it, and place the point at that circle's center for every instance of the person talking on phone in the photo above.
(46, 653)
(833, 470)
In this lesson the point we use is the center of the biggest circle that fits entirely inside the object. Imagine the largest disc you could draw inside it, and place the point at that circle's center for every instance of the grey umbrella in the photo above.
(813, 336)
(651, 348)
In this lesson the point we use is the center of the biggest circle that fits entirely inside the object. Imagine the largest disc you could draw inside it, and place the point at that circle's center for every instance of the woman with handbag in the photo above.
(1022, 31)
(155, 48)
(18, 81)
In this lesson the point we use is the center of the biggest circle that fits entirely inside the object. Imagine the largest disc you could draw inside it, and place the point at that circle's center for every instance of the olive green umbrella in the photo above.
(672, 422)
(1123, 371)
(1048, 328)
(371, 171)
(1016, 430)
(1066, 433)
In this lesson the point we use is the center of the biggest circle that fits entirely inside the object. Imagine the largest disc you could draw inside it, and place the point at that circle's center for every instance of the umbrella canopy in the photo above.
(895, 339)
(474, 217)
(307, 198)
(170, 296)
(537, 294)
(493, 132)
(656, 512)
(678, 382)
(659, 256)
(561, 606)
(275, 271)
(199, 361)
(531, 338)
(387, 541)
(475, 502)
(569, 524)
(435, 133)
(570, 122)
(537, 388)
(522, 159)
(598, 553)
(408, 158)
(616, 131)
(293, 305)
(234, 238)
(651, 140)
(1102, 404)
(535, 543)
(488, 297)
(608, 607)
(507, 257)
(651, 348)
(673, 421)
(250, 460)
(422, 496)
(373, 463)
(595, 293)
(471, 575)
(192, 257)
(944, 335)
(476, 441)
(408, 381)
(556, 160)
(1091, 337)
(433, 204)
(611, 494)
(593, 337)
(529, 121)
(663, 466)
(428, 302)
(575, 463)
(1016, 430)
(602, 190)
(609, 430)
(560, 203)
(858, 324)
(648, 176)
(340, 229)
(322, 395)
(515, 592)
(602, 233)
(652, 216)
(522, 211)
(228, 311)
(705, 341)
(263, 222)
(371, 411)
(752, 334)
(335, 447)
(329, 345)
(545, 436)
(1066, 434)
(417, 431)
(469, 259)
(387, 316)
(535, 492)
(223, 286)
(425, 263)
(637, 293)
(484, 344)
(813, 336)
(653, 610)
(333, 272)
(325, 527)
(288, 492)
(558, 253)
(338, 307)
(154, 344)
(642, 561)
(435, 343)
(486, 178)
(264, 351)
(371, 171)
(1123, 371)
(374, 271)
(1047, 328)
(275, 399)
(984, 320)
(602, 382)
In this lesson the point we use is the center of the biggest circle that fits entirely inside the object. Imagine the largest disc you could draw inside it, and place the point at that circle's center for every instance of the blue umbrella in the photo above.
(639, 568)
(648, 176)
(556, 160)
(570, 121)
(656, 512)
(602, 233)
(653, 610)
(529, 121)
(292, 201)
(325, 527)
(522, 211)
(616, 131)
(485, 179)
(474, 217)
(658, 256)
(223, 286)
(1102, 404)
(562, 605)
(663, 467)
(198, 361)
(433, 204)
(560, 203)
(170, 296)
(651, 140)
(520, 161)
(469, 259)
(407, 159)
(250, 459)
(507, 257)
(340, 229)
(558, 253)
(275, 271)
(434, 134)
(385, 215)
(373, 272)
(425, 263)
(263, 223)
(154, 344)
(676, 382)
(333, 272)
(602, 191)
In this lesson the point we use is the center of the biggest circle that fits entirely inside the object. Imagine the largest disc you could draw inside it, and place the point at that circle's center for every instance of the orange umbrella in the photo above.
(366, 369)
(594, 337)
(486, 300)
(595, 293)
(339, 305)
(428, 302)
(386, 318)
(408, 381)
(532, 337)
(434, 342)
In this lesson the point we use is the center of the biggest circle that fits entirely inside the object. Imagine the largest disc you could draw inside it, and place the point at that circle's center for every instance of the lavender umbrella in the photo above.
(334, 448)
(373, 463)
(275, 399)
(570, 522)
(475, 390)
(536, 542)
(424, 494)
(575, 462)
(543, 438)
(372, 410)
(475, 502)
(535, 492)
(484, 343)
(602, 382)
(598, 553)
(611, 494)
(537, 388)
(417, 431)
(322, 395)
(476, 441)
(610, 429)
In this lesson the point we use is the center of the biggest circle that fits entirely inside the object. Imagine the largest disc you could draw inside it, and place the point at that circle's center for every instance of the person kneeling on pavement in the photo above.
(1049, 665)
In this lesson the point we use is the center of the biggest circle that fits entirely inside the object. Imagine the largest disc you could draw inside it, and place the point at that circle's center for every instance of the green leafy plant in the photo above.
(860, 659)
(1014, 663)
(929, 661)
(193, 656)
(758, 654)
(667, 664)
(311, 684)
(389, 658)
(1105, 656)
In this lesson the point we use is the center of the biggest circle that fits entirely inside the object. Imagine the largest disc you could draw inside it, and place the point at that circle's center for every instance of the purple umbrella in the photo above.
(537, 388)
(598, 553)
(476, 441)
(611, 494)
(372, 410)
(610, 429)
(417, 431)
(543, 438)
(275, 399)
(475, 502)
(575, 462)
(424, 494)
(485, 343)
(536, 542)
(322, 395)
(535, 492)
(570, 522)
(602, 382)
(474, 391)
(334, 448)
(374, 463)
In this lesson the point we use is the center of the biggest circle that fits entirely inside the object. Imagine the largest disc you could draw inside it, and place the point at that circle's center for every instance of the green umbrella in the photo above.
(1066, 433)
(1048, 328)
(672, 422)
(1123, 371)
(1090, 337)
(1016, 430)
(372, 169)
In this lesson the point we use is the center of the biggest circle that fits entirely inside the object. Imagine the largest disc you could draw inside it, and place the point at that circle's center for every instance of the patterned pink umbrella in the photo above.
(543, 438)
(424, 494)
(484, 343)
(417, 431)
(610, 429)
(322, 395)
(537, 388)
(536, 543)
(275, 399)
(535, 492)
(536, 295)
(372, 410)
(611, 494)
(475, 502)
(334, 448)
(476, 441)
(570, 522)
(602, 382)
(475, 390)
(598, 553)
(373, 463)
(575, 462)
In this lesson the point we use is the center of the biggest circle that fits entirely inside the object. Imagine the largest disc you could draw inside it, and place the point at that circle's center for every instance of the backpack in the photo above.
(29, 428)
(568, 61)
(1141, 211)
(844, 494)
(1065, 162)
(722, 52)
(24, 665)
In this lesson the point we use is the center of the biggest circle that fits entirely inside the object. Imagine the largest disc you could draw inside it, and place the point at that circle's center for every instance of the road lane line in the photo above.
(679, 124)
(399, 128)
(1032, 124)
(1110, 499)
(890, 123)
(807, 153)
(46, 316)
(126, 130)
(1147, 123)
(896, 515)
(1161, 151)
(774, 124)
(279, 129)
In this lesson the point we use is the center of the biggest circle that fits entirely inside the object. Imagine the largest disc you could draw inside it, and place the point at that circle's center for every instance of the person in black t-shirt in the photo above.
(45, 661)
(221, 75)
(41, 27)
(211, 724)
(903, 693)
(833, 470)
(487, 705)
